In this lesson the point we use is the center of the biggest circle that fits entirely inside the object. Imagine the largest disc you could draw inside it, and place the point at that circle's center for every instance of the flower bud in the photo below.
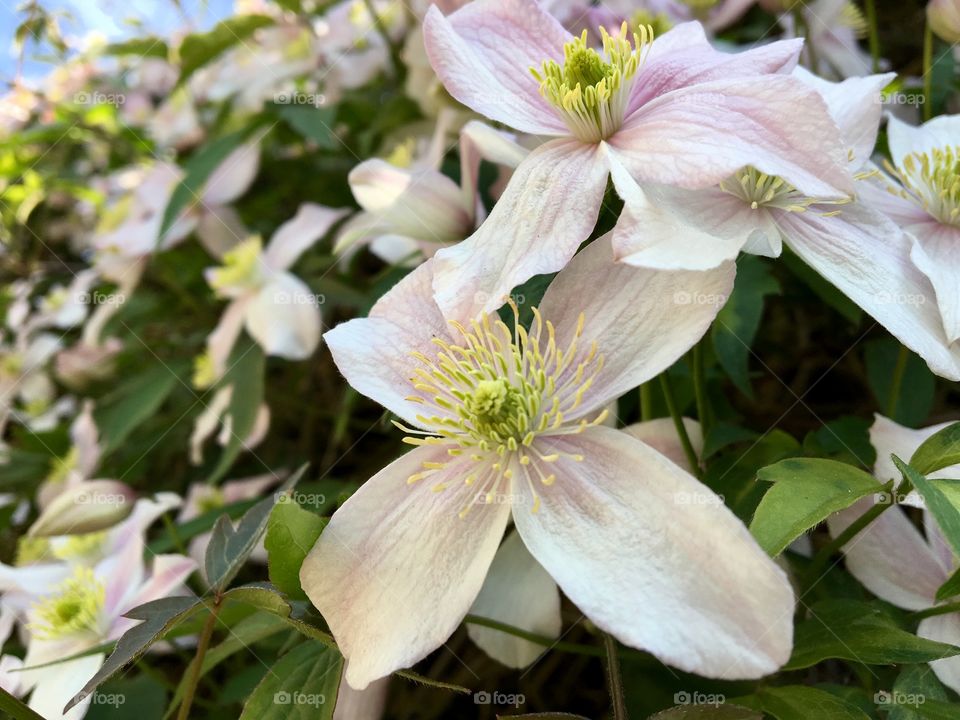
(87, 507)
(944, 19)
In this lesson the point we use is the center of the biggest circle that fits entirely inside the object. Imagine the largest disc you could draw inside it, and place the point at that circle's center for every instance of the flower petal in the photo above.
(889, 437)
(661, 435)
(291, 239)
(57, 685)
(652, 556)
(702, 134)
(945, 629)
(233, 176)
(867, 258)
(397, 568)
(642, 320)
(483, 54)
(890, 557)
(374, 353)
(906, 139)
(283, 318)
(936, 251)
(549, 207)
(518, 592)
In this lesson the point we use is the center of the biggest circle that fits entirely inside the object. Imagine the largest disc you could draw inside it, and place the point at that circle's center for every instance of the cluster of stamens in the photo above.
(490, 394)
(771, 191)
(241, 267)
(932, 181)
(75, 607)
(592, 91)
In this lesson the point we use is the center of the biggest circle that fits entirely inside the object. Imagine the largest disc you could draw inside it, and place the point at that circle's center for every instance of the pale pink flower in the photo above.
(507, 425)
(672, 111)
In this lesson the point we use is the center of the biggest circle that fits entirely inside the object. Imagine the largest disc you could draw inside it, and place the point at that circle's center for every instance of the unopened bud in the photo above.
(88, 507)
(944, 19)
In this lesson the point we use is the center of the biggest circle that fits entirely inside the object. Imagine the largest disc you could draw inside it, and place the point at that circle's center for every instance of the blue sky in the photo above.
(117, 19)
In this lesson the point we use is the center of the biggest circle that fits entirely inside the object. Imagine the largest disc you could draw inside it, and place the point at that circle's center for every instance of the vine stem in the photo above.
(614, 679)
(202, 645)
(678, 423)
(646, 402)
(927, 71)
(897, 383)
(874, 36)
(700, 388)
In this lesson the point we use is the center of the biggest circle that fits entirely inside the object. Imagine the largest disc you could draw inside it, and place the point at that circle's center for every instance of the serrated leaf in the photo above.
(301, 685)
(798, 702)
(805, 492)
(245, 374)
(230, 547)
(737, 322)
(941, 498)
(134, 402)
(862, 633)
(707, 712)
(939, 451)
(200, 48)
(291, 533)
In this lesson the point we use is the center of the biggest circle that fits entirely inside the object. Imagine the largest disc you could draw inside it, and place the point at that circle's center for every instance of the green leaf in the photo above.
(230, 547)
(199, 49)
(134, 402)
(915, 398)
(141, 46)
(950, 588)
(196, 172)
(16, 709)
(862, 633)
(197, 526)
(822, 287)
(805, 492)
(846, 439)
(914, 688)
(544, 716)
(737, 322)
(940, 450)
(707, 712)
(245, 374)
(942, 498)
(300, 685)
(140, 698)
(291, 533)
(798, 702)
(314, 123)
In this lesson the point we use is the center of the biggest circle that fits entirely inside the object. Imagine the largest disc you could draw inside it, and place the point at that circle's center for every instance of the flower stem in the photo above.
(803, 29)
(819, 562)
(202, 646)
(646, 402)
(874, 37)
(938, 610)
(897, 383)
(614, 680)
(700, 388)
(927, 72)
(678, 423)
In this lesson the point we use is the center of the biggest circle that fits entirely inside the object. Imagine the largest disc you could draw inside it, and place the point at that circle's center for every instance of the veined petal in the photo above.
(374, 353)
(700, 135)
(518, 592)
(691, 60)
(642, 320)
(906, 139)
(550, 206)
(936, 251)
(397, 567)
(57, 684)
(291, 239)
(945, 629)
(882, 193)
(652, 556)
(661, 435)
(483, 54)
(867, 258)
(284, 319)
(890, 557)
(673, 229)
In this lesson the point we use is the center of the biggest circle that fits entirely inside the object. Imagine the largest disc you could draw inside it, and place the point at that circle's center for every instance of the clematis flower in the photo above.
(855, 247)
(894, 559)
(506, 425)
(277, 309)
(671, 110)
(922, 194)
(86, 610)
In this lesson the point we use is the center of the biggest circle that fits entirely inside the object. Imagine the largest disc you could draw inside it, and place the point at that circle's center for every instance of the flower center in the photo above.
(77, 547)
(74, 608)
(241, 269)
(762, 190)
(932, 181)
(592, 91)
(488, 395)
